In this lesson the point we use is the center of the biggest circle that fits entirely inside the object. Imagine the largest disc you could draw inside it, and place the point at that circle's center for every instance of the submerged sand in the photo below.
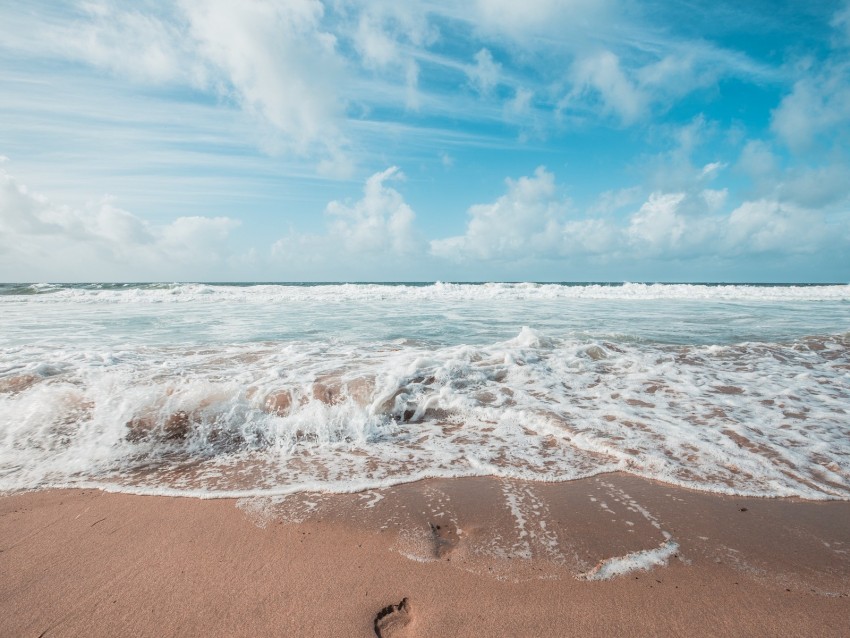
(612, 555)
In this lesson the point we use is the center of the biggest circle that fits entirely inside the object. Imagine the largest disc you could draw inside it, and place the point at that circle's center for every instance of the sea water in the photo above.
(249, 389)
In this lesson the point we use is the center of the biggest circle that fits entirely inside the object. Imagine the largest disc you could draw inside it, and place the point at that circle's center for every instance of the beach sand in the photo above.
(442, 557)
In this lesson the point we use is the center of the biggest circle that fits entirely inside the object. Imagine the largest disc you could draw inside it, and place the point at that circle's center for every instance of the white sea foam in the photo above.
(341, 293)
(280, 417)
(635, 561)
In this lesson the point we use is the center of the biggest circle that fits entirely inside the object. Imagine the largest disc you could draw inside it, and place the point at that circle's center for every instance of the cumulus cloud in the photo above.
(520, 223)
(532, 222)
(765, 226)
(41, 239)
(378, 226)
(662, 227)
(380, 221)
(657, 227)
(666, 226)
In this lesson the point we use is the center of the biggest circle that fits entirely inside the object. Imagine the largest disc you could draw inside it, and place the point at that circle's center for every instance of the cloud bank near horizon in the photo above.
(530, 221)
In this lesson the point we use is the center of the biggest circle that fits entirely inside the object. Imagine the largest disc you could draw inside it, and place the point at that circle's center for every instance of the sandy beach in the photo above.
(458, 557)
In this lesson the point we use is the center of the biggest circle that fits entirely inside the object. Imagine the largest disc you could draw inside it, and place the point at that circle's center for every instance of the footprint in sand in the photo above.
(445, 538)
(392, 620)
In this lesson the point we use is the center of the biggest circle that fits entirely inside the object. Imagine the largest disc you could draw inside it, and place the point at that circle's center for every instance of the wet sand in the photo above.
(457, 557)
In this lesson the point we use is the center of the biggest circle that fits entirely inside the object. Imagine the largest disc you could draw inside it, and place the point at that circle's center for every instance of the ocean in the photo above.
(215, 390)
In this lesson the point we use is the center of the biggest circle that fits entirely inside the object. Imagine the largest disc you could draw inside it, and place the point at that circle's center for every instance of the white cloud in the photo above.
(764, 226)
(312, 71)
(520, 105)
(590, 236)
(44, 240)
(714, 199)
(520, 110)
(675, 170)
(278, 61)
(274, 59)
(657, 227)
(671, 73)
(613, 200)
(663, 227)
(813, 186)
(818, 104)
(602, 81)
(758, 159)
(841, 24)
(381, 221)
(602, 76)
(412, 98)
(523, 222)
(189, 239)
(406, 22)
(145, 46)
(388, 38)
(535, 17)
(485, 74)
(666, 228)
(378, 226)
(711, 169)
(376, 47)
(531, 222)
(385, 28)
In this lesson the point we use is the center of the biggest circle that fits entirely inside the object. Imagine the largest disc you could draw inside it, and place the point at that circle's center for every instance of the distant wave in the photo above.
(262, 293)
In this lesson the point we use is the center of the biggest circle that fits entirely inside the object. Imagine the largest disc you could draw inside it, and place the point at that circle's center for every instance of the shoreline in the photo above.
(468, 556)
(236, 495)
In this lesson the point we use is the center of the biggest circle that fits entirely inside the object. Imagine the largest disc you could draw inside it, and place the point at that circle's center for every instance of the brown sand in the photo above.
(460, 557)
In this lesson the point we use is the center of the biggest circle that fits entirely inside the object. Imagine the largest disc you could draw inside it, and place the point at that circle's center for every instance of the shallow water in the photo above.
(214, 390)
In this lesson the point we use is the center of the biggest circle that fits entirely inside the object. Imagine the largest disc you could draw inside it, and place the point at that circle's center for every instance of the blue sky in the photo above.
(299, 140)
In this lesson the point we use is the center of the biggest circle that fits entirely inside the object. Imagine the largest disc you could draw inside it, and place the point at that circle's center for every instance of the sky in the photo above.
(489, 140)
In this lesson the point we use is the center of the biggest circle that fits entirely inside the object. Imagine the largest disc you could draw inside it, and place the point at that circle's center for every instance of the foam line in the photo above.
(635, 561)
